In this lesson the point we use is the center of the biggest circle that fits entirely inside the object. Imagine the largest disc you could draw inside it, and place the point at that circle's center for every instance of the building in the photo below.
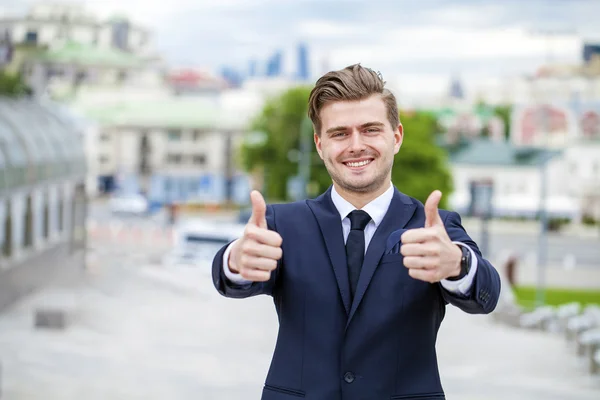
(53, 24)
(515, 174)
(42, 196)
(274, 67)
(176, 149)
(303, 72)
(60, 47)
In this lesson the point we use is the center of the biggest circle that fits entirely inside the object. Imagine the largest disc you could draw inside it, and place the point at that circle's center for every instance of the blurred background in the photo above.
(131, 133)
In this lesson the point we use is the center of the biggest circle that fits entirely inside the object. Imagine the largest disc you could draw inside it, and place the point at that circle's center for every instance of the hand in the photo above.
(429, 254)
(256, 253)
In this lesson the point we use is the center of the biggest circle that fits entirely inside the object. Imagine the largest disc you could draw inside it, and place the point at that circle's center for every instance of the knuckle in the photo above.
(278, 253)
(263, 276)
(244, 273)
(245, 247)
(272, 264)
(278, 240)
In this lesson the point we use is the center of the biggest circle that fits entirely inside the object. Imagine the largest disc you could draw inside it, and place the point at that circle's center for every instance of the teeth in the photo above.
(358, 164)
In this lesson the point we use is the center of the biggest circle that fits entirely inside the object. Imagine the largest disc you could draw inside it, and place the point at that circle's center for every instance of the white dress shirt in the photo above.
(376, 209)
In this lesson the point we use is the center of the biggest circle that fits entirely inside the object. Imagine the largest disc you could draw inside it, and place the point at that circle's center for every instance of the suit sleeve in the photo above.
(485, 289)
(228, 288)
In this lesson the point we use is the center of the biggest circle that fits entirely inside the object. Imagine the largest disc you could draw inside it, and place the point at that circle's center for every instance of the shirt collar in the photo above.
(376, 209)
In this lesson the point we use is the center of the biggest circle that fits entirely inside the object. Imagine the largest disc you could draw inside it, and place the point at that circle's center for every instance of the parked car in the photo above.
(132, 204)
(197, 241)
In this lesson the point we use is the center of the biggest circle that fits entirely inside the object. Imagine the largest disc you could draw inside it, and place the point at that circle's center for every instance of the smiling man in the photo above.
(361, 275)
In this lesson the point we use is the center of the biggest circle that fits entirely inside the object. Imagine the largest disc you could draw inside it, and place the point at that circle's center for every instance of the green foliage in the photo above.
(419, 168)
(526, 296)
(12, 85)
(504, 112)
(280, 120)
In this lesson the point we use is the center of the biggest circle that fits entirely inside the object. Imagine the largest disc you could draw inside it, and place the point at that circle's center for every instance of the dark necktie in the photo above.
(355, 246)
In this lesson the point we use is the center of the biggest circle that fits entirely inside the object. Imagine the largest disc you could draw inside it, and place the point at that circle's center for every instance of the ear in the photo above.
(398, 137)
(318, 145)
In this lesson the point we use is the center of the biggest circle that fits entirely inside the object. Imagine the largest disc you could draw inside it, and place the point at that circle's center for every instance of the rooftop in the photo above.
(173, 112)
(493, 153)
(81, 54)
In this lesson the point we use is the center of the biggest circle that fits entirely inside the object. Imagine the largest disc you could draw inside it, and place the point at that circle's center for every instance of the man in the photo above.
(360, 276)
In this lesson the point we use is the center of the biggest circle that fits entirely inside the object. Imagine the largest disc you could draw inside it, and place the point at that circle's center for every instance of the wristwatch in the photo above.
(465, 263)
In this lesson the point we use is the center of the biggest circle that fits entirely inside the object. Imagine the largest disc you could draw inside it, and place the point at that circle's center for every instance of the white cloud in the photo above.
(435, 43)
(321, 28)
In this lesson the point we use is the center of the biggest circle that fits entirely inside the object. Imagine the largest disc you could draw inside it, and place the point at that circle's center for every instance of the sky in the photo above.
(421, 44)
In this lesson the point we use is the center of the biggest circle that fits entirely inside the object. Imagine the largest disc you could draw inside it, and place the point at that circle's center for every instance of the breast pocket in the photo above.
(391, 277)
(396, 283)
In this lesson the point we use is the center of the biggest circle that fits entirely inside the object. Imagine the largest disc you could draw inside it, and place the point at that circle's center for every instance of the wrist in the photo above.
(459, 270)
(230, 262)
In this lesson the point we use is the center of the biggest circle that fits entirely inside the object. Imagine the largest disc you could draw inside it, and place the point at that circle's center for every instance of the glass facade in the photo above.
(41, 168)
(67, 126)
(15, 156)
(37, 143)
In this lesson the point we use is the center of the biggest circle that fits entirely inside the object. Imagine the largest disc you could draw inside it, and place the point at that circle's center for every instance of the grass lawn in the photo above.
(556, 296)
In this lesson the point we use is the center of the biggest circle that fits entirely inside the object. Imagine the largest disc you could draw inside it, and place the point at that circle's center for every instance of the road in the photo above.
(581, 251)
(146, 331)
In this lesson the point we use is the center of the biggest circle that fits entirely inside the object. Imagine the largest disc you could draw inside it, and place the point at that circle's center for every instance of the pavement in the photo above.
(142, 330)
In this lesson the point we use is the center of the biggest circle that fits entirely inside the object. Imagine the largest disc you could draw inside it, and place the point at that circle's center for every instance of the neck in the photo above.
(361, 199)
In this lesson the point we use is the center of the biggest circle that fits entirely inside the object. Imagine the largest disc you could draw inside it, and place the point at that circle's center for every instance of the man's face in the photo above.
(357, 143)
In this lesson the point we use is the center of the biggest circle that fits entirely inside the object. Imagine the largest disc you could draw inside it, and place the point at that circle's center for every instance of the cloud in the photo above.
(428, 38)
(321, 29)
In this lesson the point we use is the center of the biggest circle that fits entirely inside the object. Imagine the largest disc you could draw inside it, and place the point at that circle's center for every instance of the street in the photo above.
(147, 331)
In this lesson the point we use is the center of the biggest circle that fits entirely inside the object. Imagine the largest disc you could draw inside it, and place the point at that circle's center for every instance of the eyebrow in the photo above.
(363, 126)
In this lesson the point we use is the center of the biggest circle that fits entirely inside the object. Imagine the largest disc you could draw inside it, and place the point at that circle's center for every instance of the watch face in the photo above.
(466, 260)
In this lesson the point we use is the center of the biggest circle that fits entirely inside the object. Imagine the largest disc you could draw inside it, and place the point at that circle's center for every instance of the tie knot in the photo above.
(358, 220)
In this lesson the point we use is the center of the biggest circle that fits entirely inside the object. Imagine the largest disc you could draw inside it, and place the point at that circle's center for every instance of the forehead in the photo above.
(353, 113)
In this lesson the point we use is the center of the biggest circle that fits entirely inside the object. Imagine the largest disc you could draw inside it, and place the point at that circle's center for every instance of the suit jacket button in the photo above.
(349, 377)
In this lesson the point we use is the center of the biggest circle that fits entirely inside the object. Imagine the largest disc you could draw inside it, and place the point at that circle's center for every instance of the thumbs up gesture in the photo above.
(429, 254)
(256, 253)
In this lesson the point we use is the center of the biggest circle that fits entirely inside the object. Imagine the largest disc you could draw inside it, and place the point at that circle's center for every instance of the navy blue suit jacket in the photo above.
(381, 345)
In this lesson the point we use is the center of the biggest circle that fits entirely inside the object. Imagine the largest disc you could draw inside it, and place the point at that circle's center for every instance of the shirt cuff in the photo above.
(234, 278)
(463, 285)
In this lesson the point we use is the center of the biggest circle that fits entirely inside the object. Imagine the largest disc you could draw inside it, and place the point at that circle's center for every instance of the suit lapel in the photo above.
(399, 213)
(330, 223)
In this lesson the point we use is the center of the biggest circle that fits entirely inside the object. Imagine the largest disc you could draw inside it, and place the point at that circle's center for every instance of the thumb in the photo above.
(259, 210)
(432, 215)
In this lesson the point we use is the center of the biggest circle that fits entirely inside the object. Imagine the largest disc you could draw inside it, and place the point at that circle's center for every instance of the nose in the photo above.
(356, 142)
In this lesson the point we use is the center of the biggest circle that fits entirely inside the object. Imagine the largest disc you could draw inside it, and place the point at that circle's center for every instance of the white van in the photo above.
(197, 241)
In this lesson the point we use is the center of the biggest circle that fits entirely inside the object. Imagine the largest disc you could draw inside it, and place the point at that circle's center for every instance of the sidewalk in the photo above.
(147, 332)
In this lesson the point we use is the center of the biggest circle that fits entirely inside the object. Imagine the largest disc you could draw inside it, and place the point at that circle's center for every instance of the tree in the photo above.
(504, 113)
(12, 85)
(280, 122)
(421, 165)
(419, 168)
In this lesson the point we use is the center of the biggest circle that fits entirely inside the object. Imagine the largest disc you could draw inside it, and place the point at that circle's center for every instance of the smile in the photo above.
(357, 164)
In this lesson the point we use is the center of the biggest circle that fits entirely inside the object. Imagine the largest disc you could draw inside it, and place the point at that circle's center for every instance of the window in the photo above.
(199, 159)
(174, 135)
(174, 158)
(31, 37)
(196, 136)
(120, 35)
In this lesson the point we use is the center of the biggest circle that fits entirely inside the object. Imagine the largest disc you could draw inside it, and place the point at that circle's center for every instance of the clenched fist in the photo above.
(256, 253)
(429, 253)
